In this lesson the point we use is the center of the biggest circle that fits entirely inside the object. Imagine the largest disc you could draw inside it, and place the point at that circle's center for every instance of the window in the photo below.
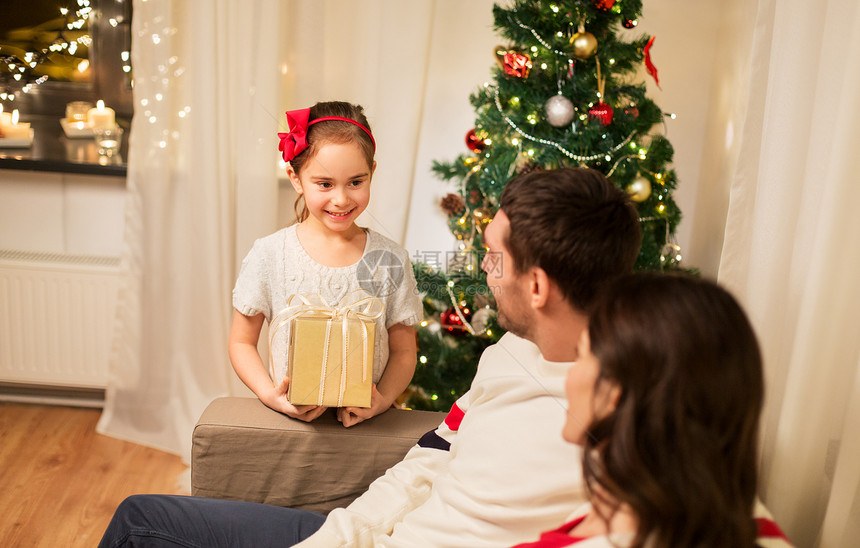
(94, 63)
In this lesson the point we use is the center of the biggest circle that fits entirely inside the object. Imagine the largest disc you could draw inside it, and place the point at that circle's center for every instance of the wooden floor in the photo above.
(60, 481)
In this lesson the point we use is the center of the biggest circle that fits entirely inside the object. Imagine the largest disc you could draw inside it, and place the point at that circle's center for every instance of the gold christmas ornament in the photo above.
(583, 44)
(482, 217)
(639, 189)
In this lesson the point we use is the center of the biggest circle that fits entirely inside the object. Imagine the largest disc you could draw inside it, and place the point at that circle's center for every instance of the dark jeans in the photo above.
(170, 520)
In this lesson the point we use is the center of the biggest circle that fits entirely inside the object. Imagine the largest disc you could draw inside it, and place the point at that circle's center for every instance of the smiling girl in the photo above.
(329, 152)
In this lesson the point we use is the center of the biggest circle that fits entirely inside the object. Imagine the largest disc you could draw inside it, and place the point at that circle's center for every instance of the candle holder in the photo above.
(76, 111)
(108, 140)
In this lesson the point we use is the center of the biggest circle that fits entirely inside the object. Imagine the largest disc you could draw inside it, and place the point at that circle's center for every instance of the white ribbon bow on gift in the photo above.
(358, 305)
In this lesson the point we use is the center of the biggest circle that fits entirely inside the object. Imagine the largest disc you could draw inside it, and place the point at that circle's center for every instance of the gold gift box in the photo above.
(307, 353)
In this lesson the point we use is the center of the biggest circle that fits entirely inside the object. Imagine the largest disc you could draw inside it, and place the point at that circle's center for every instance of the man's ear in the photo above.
(294, 179)
(539, 287)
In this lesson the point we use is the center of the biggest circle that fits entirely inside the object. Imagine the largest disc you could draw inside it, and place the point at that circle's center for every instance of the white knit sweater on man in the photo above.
(496, 472)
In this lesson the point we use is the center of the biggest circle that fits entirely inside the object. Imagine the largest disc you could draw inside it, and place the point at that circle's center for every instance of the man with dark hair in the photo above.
(568, 226)
(495, 468)
(573, 225)
(496, 472)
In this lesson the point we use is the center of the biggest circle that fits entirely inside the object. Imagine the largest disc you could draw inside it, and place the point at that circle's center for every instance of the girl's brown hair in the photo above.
(681, 446)
(332, 131)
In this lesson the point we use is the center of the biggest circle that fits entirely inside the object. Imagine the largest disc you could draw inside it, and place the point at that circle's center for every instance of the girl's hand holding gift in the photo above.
(349, 416)
(278, 401)
(398, 374)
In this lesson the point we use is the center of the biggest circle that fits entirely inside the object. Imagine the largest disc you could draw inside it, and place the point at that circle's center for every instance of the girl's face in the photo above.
(589, 398)
(335, 184)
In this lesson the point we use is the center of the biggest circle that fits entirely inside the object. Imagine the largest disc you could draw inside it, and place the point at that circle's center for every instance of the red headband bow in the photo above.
(293, 143)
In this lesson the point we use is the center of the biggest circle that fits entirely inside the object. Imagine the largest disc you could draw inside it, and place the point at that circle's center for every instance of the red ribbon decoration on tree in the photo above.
(652, 70)
(517, 64)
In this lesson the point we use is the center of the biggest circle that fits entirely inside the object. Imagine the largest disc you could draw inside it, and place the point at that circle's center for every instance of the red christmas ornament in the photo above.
(452, 323)
(632, 111)
(604, 5)
(475, 143)
(517, 64)
(474, 197)
(601, 112)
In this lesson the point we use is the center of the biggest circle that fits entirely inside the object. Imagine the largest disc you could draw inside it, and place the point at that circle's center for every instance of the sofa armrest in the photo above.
(242, 450)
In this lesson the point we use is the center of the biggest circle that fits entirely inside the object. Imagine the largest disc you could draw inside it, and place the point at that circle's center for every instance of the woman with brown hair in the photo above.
(665, 400)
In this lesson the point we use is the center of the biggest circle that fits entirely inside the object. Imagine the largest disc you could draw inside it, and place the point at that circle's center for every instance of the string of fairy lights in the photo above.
(22, 71)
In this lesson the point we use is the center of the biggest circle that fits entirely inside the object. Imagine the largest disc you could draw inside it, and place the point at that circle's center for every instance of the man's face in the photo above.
(508, 287)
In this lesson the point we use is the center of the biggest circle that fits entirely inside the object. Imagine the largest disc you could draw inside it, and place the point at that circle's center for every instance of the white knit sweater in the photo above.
(496, 472)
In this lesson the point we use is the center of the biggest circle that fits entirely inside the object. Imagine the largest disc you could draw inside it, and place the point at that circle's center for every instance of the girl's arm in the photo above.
(402, 354)
(244, 334)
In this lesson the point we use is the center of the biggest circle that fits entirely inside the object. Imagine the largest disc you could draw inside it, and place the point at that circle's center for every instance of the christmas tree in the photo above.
(569, 90)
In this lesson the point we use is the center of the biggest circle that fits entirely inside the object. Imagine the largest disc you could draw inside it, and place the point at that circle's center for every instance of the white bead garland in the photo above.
(466, 324)
(539, 39)
(547, 142)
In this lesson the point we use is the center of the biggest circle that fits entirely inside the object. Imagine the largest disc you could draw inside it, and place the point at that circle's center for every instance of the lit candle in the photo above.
(14, 130)
(5, 117)
(101, 116)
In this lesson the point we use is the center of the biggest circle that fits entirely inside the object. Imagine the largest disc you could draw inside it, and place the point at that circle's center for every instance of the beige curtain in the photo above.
(790, 253)
(200, 179)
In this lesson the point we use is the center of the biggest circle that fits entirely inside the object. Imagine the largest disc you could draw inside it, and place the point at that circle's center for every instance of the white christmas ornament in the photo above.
(670, 255)
(559, 110)
(480, 319)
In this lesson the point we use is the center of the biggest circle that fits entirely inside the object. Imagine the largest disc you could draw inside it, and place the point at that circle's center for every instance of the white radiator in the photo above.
(56, 318)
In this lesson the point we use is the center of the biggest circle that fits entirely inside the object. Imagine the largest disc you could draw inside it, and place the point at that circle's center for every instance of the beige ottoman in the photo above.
(242, 450)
